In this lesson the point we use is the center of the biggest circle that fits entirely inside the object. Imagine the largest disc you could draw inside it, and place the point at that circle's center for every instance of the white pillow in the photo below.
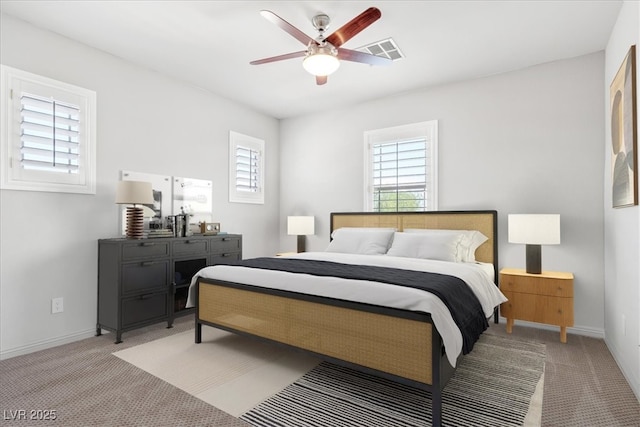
(442, 246)
(469, 241)
(363, 241)
(476, 239)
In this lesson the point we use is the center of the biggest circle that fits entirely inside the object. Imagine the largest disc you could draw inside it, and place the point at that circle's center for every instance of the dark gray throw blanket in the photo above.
(464, 306)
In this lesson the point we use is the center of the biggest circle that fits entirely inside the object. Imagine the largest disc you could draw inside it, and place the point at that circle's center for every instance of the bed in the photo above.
(392, 331)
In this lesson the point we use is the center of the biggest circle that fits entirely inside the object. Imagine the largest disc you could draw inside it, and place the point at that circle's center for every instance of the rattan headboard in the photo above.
(484, 221)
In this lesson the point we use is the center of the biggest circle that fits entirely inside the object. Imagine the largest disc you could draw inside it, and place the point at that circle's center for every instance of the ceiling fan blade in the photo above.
(353, 27)
(320, 80)
(279, 57)
(275, 19)
(366, 58)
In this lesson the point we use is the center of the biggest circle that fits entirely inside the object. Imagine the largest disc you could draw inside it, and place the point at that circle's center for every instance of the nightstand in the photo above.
(286, 253)
(543, 298)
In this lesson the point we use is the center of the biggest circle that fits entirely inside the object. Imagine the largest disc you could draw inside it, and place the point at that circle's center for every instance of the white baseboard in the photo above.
(45, 344)
(578, 330)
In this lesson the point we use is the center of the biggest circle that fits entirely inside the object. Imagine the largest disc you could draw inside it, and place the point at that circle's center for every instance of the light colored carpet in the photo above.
(234, 373)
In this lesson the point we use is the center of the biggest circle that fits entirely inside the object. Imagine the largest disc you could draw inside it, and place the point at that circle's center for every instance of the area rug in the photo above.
(228, 371)
(499, 383)
(492, 386)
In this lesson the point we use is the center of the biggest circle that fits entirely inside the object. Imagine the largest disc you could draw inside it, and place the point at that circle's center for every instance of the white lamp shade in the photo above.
(534, 229)
(134, 192)
(300, 225)
(321, 64)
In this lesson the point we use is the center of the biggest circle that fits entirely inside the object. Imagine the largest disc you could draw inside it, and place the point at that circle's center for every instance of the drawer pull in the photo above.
(147, 263)
(147, 244)
(146, 296)
(226, 239)
(226, 255)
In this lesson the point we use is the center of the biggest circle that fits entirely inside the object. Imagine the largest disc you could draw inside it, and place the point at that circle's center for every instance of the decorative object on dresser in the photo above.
(300, 226)
(209, 228)
(544, 298)
(534, 231)
(134, 193)
(146, 281)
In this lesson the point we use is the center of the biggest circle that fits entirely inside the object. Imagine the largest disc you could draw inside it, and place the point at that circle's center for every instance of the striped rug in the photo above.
(492, 386)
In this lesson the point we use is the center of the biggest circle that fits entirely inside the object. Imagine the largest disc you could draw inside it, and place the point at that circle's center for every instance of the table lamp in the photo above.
(300, 226)
(534, 230)
(134, 193)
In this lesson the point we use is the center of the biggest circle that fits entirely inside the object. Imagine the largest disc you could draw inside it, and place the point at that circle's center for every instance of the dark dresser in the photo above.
(146, 281)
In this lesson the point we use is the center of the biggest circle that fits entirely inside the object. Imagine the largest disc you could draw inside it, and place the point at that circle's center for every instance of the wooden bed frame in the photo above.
(397, 344)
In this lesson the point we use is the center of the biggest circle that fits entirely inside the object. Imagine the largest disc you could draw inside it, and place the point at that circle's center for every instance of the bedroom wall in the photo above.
(622, 226)
(527, 141)
(146, 123)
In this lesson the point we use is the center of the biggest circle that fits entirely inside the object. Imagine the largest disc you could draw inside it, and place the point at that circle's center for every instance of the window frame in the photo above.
(236, 140)
(14, 82)
(427, 130)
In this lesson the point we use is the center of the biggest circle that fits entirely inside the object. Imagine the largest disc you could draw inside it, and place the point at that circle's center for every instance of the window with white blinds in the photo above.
(246, 169)
(49, 142)
(401, 168)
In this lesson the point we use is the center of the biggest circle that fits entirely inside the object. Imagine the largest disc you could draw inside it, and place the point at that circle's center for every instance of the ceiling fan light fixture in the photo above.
(321, 62)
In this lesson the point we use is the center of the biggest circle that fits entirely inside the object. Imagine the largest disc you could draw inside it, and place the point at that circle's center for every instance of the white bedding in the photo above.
(478, 276)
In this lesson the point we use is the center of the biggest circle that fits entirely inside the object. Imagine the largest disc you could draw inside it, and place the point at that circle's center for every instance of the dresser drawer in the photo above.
(538, 308)
(536, 285)
(224, 258)
(144, 275)
(138, 250)
(144, 308)
(190, 247)
(226, 245)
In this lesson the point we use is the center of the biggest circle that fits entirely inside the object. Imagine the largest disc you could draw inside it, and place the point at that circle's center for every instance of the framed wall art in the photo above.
(624, 131)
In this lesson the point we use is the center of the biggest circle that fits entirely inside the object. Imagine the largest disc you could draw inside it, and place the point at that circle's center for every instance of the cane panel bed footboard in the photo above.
(388, 341)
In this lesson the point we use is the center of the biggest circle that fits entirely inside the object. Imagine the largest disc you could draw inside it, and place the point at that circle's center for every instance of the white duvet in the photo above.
(476, 275)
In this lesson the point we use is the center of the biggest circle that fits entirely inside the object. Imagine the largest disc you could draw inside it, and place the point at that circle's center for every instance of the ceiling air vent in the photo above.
(386, 48)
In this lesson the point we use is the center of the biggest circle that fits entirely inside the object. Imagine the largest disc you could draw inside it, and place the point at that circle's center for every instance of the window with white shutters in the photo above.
(401, 168)
(50, 135)
(48, 138)
(246, 169)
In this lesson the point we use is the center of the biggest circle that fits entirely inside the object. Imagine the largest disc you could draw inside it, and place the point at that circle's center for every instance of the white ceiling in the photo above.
(210, 43)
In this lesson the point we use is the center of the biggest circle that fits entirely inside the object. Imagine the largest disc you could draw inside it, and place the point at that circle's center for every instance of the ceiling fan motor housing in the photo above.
(321, 22)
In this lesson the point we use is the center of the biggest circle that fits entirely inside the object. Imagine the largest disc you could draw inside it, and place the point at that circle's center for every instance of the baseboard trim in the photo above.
(578, 330)
(45, 344)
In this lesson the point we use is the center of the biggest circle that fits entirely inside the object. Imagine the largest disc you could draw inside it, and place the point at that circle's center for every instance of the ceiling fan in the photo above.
(322, 54)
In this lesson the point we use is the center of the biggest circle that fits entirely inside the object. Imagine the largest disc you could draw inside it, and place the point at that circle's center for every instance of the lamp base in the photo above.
(301, 243)
(534, 259)
(135, 223)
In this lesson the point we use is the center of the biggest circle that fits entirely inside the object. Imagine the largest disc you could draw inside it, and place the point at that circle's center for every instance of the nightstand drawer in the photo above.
(537, 308)
(536, 285)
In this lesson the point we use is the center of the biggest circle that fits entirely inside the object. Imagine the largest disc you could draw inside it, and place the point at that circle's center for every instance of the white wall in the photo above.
(622, 226)
(528, 141)
(146, 123)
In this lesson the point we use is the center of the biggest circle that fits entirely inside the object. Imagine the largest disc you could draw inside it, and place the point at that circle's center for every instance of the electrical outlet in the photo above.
(57, 305)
